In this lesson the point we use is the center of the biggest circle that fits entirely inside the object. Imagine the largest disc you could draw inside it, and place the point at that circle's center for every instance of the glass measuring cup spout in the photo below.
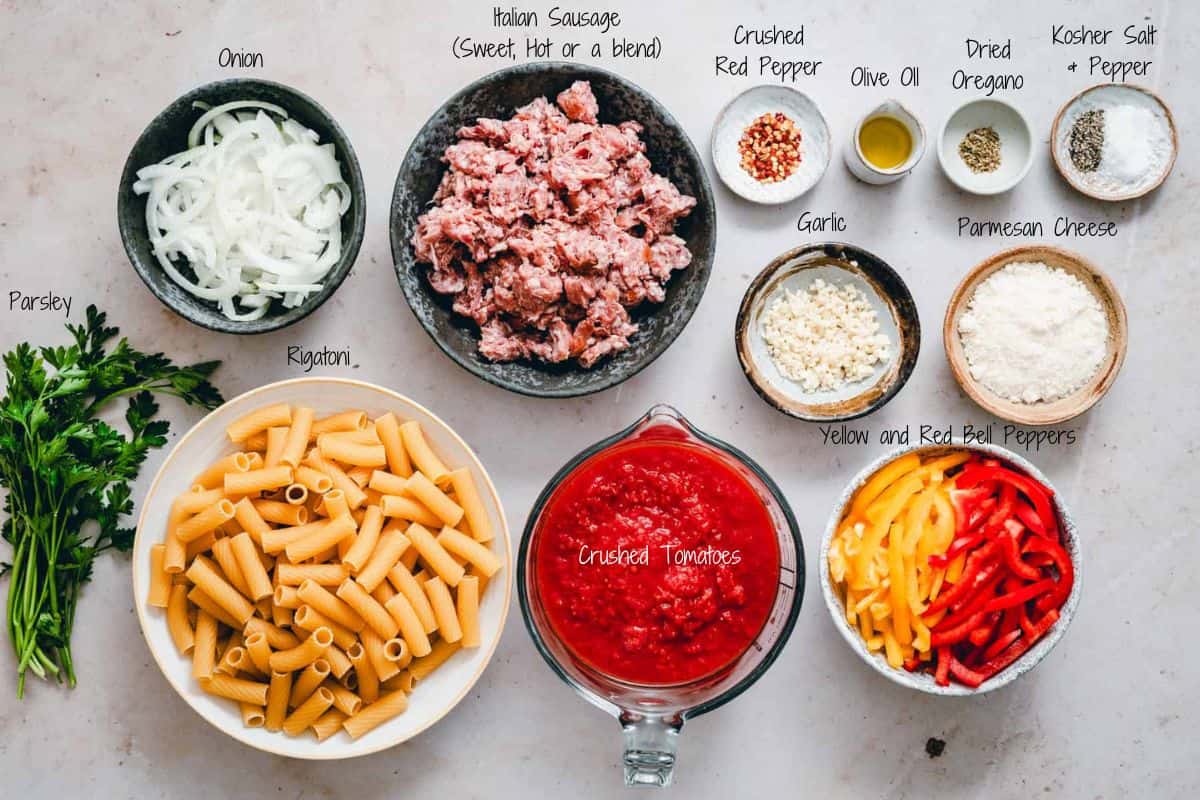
(652, 707)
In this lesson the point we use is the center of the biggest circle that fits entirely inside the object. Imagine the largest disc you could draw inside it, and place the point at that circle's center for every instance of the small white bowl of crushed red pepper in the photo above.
(770, 144)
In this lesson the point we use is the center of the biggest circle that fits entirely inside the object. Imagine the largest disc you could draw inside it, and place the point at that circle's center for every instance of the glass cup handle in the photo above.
(650, 743)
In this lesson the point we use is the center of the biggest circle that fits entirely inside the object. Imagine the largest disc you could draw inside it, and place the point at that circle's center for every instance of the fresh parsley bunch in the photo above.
(68, 473)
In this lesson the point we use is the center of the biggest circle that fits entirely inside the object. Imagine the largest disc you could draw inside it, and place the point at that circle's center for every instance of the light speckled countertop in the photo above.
(1110, 713)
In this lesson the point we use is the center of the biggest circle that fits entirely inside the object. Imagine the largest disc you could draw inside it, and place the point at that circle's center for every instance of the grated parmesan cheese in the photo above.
(825, 336)
(1033, 333)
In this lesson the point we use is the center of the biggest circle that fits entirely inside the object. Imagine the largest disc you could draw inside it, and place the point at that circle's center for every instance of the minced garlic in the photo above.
(825, 336)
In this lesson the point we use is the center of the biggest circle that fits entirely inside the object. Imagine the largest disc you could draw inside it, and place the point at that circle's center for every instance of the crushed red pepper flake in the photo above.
(770, 148)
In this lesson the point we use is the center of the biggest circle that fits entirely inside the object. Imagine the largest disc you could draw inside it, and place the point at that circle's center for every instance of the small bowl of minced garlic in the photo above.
(827, 332)
(1035, 335)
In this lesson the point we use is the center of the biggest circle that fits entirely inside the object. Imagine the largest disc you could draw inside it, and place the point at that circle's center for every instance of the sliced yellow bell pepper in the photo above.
(944, 463)
(899, 578)
(881, 515)
(895, 657)
(881, 480)
(880, 554)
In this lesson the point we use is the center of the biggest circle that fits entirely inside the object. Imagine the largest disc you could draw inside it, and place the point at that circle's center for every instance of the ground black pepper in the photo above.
(1087, 140)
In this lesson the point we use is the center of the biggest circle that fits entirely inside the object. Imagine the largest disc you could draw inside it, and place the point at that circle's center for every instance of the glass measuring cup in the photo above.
(651, 717)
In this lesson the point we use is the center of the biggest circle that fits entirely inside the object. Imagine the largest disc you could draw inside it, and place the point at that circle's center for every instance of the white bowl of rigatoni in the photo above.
(322, 568)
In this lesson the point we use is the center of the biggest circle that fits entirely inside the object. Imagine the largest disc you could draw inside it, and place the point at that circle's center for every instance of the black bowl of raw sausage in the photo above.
(553, 247)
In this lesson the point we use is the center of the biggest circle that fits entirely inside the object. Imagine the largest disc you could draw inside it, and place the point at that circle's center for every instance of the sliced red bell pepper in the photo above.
(1002, 641)
(990, 577)
(1038, 494)
(1066, 572)
(981, 635)
(966, 505)
(959, 546)
(1011, 551)
(1024, 621)
(1029, 518)
(1019, 647)
(967, 583)
(1003, 512)
(1036, 559)
(942, 676)
(911, 664)
(957, 633)
(965, 675)
(1019, 596)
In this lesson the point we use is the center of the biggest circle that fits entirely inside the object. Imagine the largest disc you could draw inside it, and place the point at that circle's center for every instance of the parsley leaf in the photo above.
(68, 473)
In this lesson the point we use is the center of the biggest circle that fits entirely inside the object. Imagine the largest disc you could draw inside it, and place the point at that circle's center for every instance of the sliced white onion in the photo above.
(253, 207)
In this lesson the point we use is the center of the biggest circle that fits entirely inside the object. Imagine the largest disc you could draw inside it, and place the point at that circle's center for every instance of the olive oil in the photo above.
(886, 142)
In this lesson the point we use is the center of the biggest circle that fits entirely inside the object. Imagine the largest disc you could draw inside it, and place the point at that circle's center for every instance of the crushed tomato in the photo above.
(675, 618)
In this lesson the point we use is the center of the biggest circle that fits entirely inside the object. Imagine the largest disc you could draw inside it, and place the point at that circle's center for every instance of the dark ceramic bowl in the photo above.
(167, 134)
(670, 151)
(838, 264)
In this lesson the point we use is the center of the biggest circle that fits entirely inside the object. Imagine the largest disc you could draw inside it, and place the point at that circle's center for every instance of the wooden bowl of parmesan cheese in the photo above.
(1035, 335)
(827, 332)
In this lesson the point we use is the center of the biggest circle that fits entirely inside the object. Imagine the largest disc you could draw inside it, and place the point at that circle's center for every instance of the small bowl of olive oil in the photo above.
(886, 145)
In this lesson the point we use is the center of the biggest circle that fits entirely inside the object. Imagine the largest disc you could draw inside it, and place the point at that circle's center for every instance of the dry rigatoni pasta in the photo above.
(239, 689)
(333, 607)
(281, 512)
(407, 584)
(309, 619)
(367, 607)
(459, 544)
(344, 699)
(388, 429)
(329, 723)
(276, 441)
(411, 627)
(467, 495)
(312, 677)
(365, 540)
(253, 572)
(389, 705)
(387, 552)
(207, 520)
(208, 579)
(252, 715)
(278, 638)
(160, 579)
(313, 480)
(304, 653)
(433, 498)
(368, 681)
(395, 505)
(421, 453)
(434, 555)
(177, 619)
(199, 600)
(322, 539)
(467, 605)
(320, 574)
(302, 577)
(214, 476)
(279, 415)
(375, 646)
(296, 443)
(259, 651)
(204, 652)
(443, 609)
